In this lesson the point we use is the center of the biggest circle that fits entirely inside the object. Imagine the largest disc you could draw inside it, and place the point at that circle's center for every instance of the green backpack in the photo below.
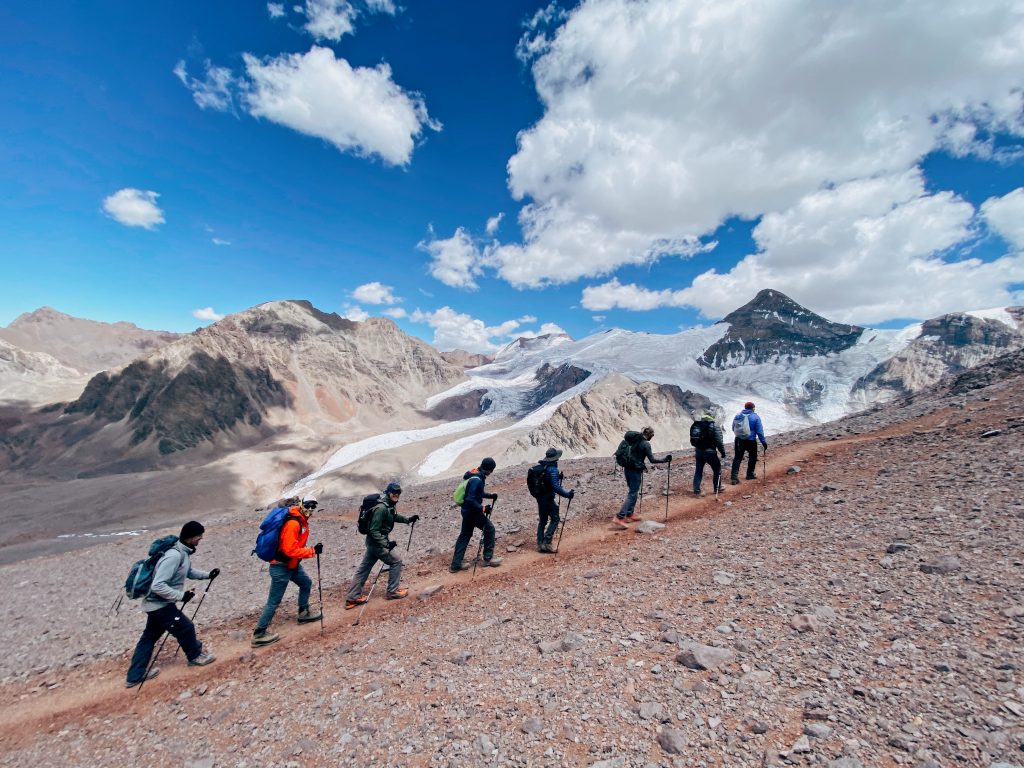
(459, 494)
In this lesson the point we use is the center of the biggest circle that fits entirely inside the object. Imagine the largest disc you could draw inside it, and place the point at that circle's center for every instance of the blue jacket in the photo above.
(551, 467)
(474, 501)
(756, 429)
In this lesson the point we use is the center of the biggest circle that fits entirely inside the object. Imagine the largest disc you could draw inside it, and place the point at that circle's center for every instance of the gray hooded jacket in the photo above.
(169, 578)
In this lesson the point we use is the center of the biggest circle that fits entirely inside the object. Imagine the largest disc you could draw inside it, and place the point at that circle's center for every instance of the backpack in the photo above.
(365, 507)
(701, 434)
(140, 577)
(537, 481)
(624, 453)
(459, 494)
(268, 542)
(741, 426)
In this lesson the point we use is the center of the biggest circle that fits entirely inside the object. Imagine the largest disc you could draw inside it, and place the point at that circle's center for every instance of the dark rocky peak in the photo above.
(962, 330)
(772, 326)
(291, 320)
(552, 381)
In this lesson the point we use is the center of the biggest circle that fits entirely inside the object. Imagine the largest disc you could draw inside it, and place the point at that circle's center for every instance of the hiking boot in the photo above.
(202, 660)
(460, 567)
(547, 548)
(751, 477)
(262, 637)
(149, 676)
(494, 562)
(696, 492)
(734, 480)
(398, 594)
(350, 604)
(632, 518)
(306, 615)
(619, 522)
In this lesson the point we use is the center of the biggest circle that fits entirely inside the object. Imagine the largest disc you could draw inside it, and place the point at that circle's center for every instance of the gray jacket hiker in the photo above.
(382, 521)
(640, 452)
(162, 611)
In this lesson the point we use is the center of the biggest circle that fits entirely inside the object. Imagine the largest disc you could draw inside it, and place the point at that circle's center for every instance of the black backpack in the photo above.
(367, 504)
(537, 481)
(624, 453)
(702, 435)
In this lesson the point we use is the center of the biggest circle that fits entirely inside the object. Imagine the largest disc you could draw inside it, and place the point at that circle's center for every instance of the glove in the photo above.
(414, 519)
(189, 594)
(318, 548)
(494, 497)
(572, 493)
(764, 449)
(561, 475)
(487, 509)
(214, 573)
(723, 454)
(668, 458)
(392, 545)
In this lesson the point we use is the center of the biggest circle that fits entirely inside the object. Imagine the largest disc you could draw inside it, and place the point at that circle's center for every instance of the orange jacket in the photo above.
(293, 538)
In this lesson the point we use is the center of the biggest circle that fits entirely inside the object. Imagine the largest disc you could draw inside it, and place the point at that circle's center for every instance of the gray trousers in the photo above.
(370, 558)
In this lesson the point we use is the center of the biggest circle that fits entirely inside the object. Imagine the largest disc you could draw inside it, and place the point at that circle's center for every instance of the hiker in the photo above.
(162, 612)
(748, 430)
(707, 442)
(547, 507)
(476, 515)
(633, 467)
(382, 520)
(287, 567)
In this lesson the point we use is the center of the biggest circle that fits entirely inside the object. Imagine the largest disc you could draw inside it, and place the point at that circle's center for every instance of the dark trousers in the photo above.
(633, 480)
(547, 511)
(370, 558)
(280, 576)
(707, 456)
(739, 448)
(470, 522)
(166, 619)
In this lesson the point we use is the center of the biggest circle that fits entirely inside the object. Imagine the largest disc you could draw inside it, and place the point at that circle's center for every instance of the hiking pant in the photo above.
(280, 575)
(167, 619)
(707, 456)
(633, 479)
(547, 510)
(740, 447)
(470, 521)
(370, 558)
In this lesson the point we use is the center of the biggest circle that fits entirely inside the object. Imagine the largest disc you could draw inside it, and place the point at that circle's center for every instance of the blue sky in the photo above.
(653, 164)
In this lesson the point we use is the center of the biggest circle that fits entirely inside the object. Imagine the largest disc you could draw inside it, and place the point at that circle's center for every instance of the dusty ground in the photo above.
(864, 611)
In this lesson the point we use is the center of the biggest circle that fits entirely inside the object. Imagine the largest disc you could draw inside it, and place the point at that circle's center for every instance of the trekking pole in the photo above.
(408, 544)
(157, 655)
(668, 487)
(764, 471)
(200, 605)
(117, 603)
(561, 530)
(640, 505)
(320, 590)
(368, 596)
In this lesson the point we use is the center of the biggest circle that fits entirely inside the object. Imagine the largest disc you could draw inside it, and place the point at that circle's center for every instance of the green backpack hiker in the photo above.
(624, 453)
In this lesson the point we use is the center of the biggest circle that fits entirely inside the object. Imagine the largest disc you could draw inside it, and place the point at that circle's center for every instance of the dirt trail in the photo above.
(97, 688)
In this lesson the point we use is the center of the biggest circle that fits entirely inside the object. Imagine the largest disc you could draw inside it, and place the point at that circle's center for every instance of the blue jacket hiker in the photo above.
(748, 431)
(162, 612)
(547, 506)
(476, 515)
(379, 547)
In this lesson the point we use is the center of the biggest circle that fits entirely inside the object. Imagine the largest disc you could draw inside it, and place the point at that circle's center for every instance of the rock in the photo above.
(801, 746)
(649, 526)
(825, 612)
(460, 658)
(650, 710)
(805, 622)
(723, 577)
(817, 730)
(896, 547)
(703, 656)
(670, 636)
(617, 762)
(549, 646)
(672, 740)
(947, 618)
(1013, 612)
(759, 727)
(992, 433)
(433, 589)
(794, 470)
(942, 565)
(1013, 708)
(532, 726)
(846, 762)
(199, 762)
(887, 562)
(484, 744)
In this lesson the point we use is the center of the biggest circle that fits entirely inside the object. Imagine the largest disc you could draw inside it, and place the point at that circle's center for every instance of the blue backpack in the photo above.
(140, 577)
(268, 542)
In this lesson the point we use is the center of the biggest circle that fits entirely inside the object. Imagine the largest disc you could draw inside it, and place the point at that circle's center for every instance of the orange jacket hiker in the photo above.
(293, 538)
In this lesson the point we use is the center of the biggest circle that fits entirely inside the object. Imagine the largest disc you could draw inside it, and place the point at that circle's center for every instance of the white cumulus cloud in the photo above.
(332, 19)
(457, 330)
(1005, 215)
(134, 208)
(355, 313)
(220, 241)
(395, 312)
(613, 294)
(357, 109)
(375, 293)
(456, 260)
(276, 10)
(493, 223)
(211, 92)
(206, 313)
(665, 118)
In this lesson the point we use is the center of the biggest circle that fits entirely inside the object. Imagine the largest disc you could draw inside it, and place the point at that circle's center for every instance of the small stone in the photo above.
(723, 577)
(817, 730)
(484, 744)
(942, 565)
(794, 470)
(672, 740)
(991, 433)
(703, 657)
(199, 762)
(801, 746)
(532, 726)
(846, 762)
(896, 547)
(759, 727)
(947, 618)
(460, 658)
(433, 589)
(805, 622)
(649, 526)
